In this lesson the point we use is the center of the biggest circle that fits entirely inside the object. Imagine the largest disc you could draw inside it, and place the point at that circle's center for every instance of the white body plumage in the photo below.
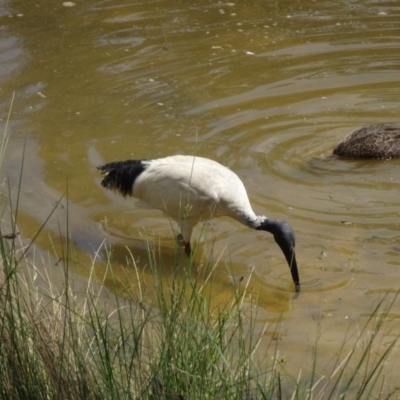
(192, 189)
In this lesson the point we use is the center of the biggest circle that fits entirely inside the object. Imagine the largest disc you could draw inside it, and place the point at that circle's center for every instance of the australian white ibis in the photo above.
(372, 141)
(191, 189)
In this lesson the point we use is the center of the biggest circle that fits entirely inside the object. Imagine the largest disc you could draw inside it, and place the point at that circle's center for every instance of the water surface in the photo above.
(266, 88)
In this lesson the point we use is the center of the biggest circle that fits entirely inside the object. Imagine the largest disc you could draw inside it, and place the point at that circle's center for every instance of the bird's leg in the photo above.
(188, 249)
(186, 230)
(179, 239)
(181, 242)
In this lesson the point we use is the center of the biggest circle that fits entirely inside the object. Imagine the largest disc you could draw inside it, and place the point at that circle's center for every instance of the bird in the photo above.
(191, 189)
(372, 141)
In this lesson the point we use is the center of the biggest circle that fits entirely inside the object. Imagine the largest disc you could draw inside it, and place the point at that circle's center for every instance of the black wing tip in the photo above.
(121, 175)
(103, 169)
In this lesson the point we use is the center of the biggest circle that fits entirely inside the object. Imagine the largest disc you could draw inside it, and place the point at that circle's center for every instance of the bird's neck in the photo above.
(262, 223)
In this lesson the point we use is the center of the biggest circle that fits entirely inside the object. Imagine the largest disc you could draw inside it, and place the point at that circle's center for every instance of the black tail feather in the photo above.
(121, 175)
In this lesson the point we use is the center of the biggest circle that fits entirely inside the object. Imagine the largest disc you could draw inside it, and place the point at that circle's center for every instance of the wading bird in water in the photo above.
(191, 189)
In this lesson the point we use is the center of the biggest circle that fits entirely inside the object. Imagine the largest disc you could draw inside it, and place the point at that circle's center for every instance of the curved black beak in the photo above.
(291, 259)
(284, 237)
(290, 255)
(285, 240)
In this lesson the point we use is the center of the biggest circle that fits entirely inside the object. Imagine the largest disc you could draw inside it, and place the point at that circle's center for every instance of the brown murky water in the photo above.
(266, 88)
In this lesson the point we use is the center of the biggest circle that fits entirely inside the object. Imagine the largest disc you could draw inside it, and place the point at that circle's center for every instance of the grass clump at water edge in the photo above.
(92, 344)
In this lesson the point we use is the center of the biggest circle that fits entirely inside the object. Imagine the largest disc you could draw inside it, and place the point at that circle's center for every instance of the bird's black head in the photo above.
(284, 237)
